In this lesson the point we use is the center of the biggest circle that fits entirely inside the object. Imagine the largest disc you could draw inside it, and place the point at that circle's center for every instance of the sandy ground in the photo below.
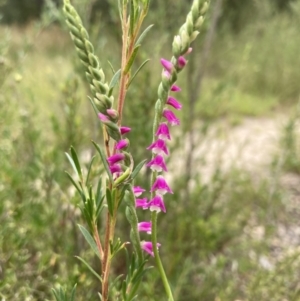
(250, 146)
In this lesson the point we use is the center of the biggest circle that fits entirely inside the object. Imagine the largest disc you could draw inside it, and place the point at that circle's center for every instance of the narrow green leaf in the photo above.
(83, 197)
(122, 194)
(139, 272)
(99, 202)
(147, 7)
(120, 10)
(89, 170)
(73, 182)
(72, 298)
(137, 169)
(76, 161)
(90, 268)
(111, 67)
(89, 239)
(132, 58)
(93, 105)
(55, 294)
(103, 158)
(87, 217)
(111, 247)
(115, 79)
(99, 207)
(72, 163)
(109, 201)
(124, 288)
(99, 198)
(132, 17)
(115, 281)
(132, 265)
(62, 294)
(137, 71)
(91, 202)
(143, 34)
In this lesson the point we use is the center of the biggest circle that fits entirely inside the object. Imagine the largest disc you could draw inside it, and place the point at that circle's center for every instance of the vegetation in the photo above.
(224, 242)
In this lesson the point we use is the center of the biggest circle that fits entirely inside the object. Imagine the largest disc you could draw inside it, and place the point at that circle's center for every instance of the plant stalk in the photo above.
(157, 257)
(98, 242)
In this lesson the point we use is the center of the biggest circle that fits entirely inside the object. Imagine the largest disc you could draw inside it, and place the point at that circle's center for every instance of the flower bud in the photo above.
(199, 22)
(113, 131)
(124, 130)
(181, 62)
(167, 65)
(194, 35)
(105, 99)
(176, 46)
(195, 9)
(104, 119)
(189, 23)
(122, 144)
(204, 8)
(165, 78)
(185, 41)
(99, 105)
(113, 114)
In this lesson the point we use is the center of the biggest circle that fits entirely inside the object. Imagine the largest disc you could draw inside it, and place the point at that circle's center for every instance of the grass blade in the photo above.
(76, 162)
(89, 239)
(115, 79)
(89, 170)
(143, 34)
(137, 71)
(137, 169)
(103, 158)
(89, 267)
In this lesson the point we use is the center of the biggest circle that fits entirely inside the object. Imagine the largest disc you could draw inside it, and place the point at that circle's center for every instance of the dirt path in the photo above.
(250, 145)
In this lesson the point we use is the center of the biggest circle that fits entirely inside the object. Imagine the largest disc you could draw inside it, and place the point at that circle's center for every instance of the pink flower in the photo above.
(159, 147)
(115, 168)
(175, 88)
(137, 190)
(148, 247)
(157, 164)
(163, 132)
(145, 227)
(167, 65)
(103, 117)
(112, 113)
(142, 203)
(170, 116)
(160, 186)
(189, 50)
(115, 158)
(124, 130)
(166, 74)
(122, 144)
(157, 204)
(174, 103)
(181, 62)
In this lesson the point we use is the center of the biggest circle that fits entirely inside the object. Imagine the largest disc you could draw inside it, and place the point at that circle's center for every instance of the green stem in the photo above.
(157, 258)
(110, 233)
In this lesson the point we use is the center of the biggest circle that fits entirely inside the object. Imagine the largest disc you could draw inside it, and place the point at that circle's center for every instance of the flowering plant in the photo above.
(117, 187)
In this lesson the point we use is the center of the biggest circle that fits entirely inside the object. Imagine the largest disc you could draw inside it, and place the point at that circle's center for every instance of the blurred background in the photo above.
(231, 232)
